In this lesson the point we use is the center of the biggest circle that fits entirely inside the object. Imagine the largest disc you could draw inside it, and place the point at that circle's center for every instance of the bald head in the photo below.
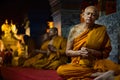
(94, 9)
(90, 14)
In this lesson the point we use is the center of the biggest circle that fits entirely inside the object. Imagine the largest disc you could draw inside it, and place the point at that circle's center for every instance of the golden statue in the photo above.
(6, 29)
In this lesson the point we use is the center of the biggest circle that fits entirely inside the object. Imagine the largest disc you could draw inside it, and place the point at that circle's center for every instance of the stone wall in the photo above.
(112, 22)
(68, 19)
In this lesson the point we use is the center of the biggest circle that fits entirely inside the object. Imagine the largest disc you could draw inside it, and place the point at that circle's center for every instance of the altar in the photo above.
(13, 43)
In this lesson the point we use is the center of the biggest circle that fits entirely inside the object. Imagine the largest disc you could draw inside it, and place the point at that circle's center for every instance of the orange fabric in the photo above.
(95, 38)
(80, 40)
(74, 70)
(92, 39)
(78, 43)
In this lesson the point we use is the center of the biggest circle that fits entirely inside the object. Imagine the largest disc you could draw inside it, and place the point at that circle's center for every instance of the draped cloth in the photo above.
(55, 59)
(79, 68)
(94, 39)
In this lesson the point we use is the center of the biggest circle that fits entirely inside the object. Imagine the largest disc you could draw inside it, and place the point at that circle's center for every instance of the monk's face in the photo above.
(51, 33)
(90, 15)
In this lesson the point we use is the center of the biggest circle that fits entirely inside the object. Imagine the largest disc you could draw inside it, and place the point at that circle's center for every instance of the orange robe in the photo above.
(97, 39)
(55, 59)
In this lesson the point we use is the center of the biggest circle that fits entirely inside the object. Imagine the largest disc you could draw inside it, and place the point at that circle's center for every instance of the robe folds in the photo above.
(51, 61)
(79, 68)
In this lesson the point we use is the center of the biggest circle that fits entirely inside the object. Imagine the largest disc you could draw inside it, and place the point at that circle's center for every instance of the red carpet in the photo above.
(18, 73)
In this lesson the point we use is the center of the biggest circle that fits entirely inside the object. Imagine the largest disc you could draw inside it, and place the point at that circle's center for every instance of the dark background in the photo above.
(15, 9)
(38, 12)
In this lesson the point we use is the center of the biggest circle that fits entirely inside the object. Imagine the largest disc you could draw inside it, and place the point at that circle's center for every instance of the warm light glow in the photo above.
(13, 28)
(1, 45)
(6, 28)
(6, 21)
(27, 32)
(50, 24)
(47, 30)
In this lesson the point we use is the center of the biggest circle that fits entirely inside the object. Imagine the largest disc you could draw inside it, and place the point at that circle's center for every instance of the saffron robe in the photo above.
(97, 39)
(42, 61)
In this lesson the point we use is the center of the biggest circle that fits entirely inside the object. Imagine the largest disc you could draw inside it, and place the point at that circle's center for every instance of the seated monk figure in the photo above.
(51, 54)
(88, 46)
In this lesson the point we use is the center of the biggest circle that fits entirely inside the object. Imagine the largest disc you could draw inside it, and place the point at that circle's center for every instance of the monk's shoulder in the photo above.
(76, 27)
(100, 26)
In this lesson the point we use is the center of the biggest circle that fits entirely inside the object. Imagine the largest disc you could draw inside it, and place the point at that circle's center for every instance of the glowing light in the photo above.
(47, 30)
(13, 28)
(50, 24)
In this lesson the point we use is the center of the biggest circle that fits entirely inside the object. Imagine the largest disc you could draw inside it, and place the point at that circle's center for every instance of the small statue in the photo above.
(13, 28)
(6, 29)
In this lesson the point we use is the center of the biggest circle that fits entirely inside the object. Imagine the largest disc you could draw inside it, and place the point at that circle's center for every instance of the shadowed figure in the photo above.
(51, 54)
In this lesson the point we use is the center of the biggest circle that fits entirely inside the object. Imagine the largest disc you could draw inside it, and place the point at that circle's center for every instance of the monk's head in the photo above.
(90, 14)
(53, 32)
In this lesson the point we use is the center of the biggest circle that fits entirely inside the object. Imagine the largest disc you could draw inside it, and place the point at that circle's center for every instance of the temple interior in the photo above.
(23, 26)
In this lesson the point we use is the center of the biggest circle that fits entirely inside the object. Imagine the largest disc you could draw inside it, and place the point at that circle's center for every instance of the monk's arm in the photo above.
(41, 51)
(69, 48)
(69, 51)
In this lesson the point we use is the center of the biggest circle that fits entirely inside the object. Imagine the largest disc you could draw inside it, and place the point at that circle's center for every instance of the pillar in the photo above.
(65, 13)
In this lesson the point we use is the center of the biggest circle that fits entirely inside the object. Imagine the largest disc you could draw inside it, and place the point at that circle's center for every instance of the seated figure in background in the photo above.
(6, 29)
(34, 51)
(88, 46)
(51, 54)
